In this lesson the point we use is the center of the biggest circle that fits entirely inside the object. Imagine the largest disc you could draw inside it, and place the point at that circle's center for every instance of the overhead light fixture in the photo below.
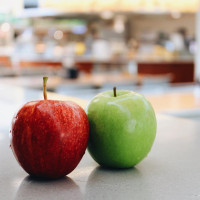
(58, 35)
(107, 14)
(5, 27)
(122, 6)
(176, 14)
(119, 24)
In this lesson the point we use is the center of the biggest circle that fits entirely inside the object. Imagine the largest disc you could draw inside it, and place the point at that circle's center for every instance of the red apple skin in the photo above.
(49, 138)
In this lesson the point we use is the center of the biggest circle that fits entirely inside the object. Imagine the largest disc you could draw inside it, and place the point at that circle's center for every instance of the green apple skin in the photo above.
(122, 128)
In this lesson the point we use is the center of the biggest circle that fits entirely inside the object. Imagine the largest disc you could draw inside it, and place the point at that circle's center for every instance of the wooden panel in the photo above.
(181, 71)
(40, 64)
(5, 61)
(84, 66)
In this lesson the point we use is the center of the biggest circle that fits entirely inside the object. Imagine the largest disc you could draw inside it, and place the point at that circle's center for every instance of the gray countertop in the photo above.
(170, 171)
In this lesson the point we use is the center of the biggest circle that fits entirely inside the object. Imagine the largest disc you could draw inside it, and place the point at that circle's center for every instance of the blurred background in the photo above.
(86, 47)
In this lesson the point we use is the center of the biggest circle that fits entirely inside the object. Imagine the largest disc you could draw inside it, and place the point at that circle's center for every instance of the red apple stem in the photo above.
(115, 91)
(45, 87)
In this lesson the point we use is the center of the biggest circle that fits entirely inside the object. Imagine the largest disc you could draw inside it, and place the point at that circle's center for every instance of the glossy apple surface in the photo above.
(49, 137)
(122, 128)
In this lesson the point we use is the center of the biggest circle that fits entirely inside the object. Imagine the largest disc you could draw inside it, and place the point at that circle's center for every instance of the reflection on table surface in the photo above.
(166, 173)
(64, 188)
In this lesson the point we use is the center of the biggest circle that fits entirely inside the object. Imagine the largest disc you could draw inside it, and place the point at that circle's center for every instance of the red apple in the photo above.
(48, 137)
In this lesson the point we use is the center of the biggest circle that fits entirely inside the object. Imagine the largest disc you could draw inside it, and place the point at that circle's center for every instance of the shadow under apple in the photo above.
(41, 189)
(112, 184)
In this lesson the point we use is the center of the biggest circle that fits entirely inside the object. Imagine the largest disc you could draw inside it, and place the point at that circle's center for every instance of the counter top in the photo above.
(174, 98)
(170, 171)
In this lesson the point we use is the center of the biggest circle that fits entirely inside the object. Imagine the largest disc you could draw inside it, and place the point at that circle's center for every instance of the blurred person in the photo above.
(89, 39)
(164, 44)
(179, 39)
(101, 49)
(69, 55)
(133, 46)
(147, 42)
(183, 32)
(25, 43)
(24, 47)
(162, 39)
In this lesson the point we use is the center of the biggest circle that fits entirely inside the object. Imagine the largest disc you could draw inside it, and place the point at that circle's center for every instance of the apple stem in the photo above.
(115, 91)
(45, 87)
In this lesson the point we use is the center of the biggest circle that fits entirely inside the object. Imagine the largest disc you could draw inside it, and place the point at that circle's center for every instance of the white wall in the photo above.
(197, 56)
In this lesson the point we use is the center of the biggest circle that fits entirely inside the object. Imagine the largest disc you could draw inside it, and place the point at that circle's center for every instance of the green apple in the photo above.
(122, 128)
